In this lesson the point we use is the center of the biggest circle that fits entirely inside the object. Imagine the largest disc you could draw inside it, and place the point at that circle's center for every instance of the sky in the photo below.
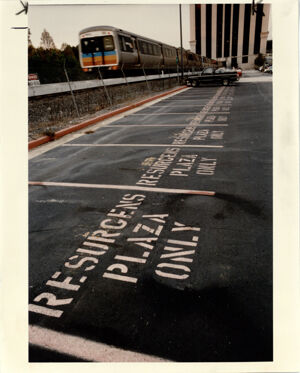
(63, 22)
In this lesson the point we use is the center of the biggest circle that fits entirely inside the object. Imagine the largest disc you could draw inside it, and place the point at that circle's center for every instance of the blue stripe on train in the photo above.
(99, 54)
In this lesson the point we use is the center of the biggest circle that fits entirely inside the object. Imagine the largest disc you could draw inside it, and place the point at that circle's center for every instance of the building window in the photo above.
(258, 24)
(198, 28)
(235, 31)
(247, 19)
(219, 29)
(208, 30)
(227, 30)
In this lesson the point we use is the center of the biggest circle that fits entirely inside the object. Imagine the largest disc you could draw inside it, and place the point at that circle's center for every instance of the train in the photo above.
(113, 49)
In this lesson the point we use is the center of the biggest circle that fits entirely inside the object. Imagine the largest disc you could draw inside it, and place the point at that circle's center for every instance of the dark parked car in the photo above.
(211, 75)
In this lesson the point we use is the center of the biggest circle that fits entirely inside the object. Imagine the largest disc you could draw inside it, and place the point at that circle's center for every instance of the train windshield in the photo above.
(97, 44)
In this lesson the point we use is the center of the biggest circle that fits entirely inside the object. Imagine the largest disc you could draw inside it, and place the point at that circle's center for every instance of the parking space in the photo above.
(153, 234)
(139, 134)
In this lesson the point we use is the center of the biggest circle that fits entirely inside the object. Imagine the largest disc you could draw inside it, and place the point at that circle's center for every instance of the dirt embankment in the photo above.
(52, 113)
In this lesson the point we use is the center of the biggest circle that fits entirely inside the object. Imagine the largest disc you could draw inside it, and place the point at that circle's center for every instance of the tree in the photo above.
(29, 38)
(259, 60)
(47, 40)
(63, 46)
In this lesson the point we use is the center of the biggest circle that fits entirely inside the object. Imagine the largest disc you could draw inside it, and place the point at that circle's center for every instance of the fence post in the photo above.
(158, 69)
(146, 79)
(124, 75)
(73, 97)
(105, 89)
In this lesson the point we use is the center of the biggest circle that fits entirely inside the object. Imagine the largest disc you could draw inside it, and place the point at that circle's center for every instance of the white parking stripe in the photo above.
(122, 187)
(151, 145)
(169, 125)
(185, 100)
(172, 106)
(160, 113)
(83, 348)
(135, 114)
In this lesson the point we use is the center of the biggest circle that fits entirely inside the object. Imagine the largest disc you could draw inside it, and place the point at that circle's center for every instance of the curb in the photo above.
(43, 140)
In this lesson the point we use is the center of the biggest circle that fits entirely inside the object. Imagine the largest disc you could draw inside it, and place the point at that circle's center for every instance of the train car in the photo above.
(193, 61)
(184, 57)
(111, 48)
(149, 54)
(104, 47)
(169, 57)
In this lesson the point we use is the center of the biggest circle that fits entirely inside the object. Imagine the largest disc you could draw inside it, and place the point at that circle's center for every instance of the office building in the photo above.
(230, 33)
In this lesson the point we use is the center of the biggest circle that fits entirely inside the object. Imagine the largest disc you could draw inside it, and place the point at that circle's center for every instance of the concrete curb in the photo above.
(43, 140)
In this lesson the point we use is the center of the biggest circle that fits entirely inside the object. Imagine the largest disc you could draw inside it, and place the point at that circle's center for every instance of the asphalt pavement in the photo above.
(151, 237)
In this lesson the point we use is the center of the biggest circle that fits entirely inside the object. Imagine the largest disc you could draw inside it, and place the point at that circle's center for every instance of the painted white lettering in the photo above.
(130, 259)
(173, 275)
(217, 135)
(123, 269)
(107, 224)
(65, 284)
(81, 262)
(52, 300)
(159, 218)
(143, 242)
(148, 229)
(113, 276)
(93, 244)
(92, 252)
(146, 182)
(178, 256)
(44, 310)
(105, 234)
(129, 197)
(100, 239)
(120, 214)
(129, 206)
(184, 243)
(181, 227)
(222, 118)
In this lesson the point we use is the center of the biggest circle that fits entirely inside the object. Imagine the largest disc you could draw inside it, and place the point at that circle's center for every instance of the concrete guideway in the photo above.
(54, 88)
(153, 234)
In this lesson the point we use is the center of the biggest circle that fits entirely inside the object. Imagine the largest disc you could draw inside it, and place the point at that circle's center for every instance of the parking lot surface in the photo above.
(151, 237)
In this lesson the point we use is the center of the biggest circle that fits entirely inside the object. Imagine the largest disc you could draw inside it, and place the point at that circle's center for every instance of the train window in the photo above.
(150, 49)
(108, 43)
(121, 42)
(126, 43)
(91, 45)
(144, 47)
(141, 46)
(156, 50)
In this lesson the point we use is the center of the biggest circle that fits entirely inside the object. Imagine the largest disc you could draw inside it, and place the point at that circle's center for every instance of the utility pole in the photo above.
(181, 50)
